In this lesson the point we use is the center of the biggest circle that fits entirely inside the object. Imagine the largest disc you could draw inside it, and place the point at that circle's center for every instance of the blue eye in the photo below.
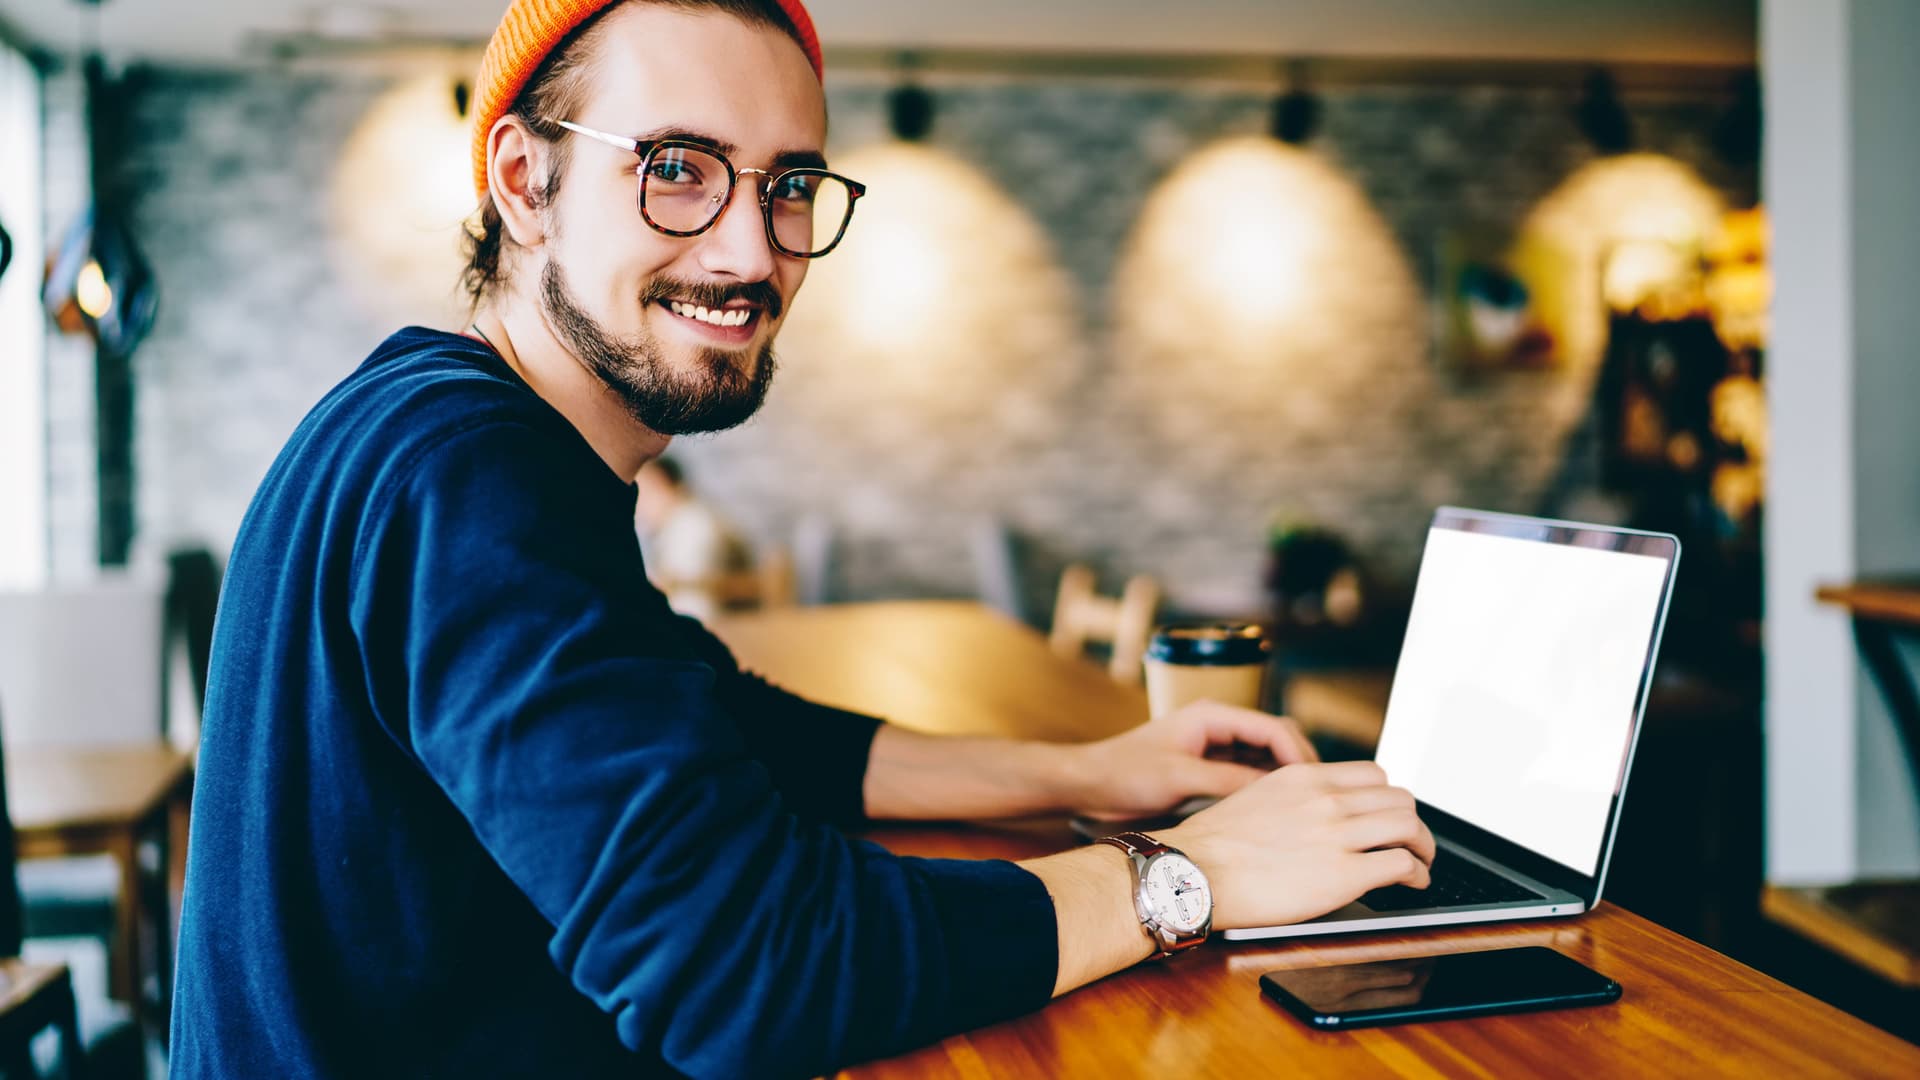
(673, 172)
(796, 188)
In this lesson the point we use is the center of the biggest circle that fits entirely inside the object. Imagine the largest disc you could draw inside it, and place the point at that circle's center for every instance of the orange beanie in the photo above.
(529, 31)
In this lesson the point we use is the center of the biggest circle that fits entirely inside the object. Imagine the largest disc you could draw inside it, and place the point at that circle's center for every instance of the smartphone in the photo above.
(1438, 987)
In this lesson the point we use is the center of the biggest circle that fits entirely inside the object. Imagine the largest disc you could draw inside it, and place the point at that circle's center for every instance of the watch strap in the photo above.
(1139, 848)
(1135, 843)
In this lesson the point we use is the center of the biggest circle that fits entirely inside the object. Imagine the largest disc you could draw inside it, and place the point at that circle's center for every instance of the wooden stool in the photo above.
(1080, 616)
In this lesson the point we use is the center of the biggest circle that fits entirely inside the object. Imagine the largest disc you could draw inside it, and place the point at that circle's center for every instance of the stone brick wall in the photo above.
(1087, 444)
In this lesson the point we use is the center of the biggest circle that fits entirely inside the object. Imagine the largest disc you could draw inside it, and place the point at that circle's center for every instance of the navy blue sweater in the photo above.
(472, 801)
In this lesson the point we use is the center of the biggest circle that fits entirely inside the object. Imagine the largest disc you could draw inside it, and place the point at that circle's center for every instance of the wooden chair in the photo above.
(193, 595)
(33, 997)
(768, 583)
(1082, 616)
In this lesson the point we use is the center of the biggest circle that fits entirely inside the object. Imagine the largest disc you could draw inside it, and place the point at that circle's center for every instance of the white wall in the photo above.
(80, 664)
(23, 503)
(1844, 491)
(1886, 317)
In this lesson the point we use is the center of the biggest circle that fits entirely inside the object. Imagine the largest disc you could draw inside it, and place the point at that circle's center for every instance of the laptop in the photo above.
(1515, 707)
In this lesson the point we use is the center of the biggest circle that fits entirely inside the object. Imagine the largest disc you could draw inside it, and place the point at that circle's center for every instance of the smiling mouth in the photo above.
(722, 318)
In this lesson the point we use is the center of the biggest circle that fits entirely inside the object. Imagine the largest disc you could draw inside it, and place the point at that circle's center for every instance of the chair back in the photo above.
(193, 595)
(769, 582)
(1081, 616)
(12, 920)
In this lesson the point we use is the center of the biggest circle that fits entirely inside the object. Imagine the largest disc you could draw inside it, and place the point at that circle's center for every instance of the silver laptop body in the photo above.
(1516, 704)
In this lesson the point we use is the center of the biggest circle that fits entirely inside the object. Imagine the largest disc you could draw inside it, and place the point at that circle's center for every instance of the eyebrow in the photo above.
(785, 159)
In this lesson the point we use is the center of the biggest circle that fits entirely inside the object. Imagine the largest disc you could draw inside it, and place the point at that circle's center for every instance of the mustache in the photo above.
(709, 294)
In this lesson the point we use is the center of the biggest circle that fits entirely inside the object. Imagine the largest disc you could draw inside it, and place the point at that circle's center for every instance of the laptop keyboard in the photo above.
(1457, 882)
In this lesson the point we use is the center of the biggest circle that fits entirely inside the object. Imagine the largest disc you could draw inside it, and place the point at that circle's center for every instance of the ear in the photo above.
(516, 158)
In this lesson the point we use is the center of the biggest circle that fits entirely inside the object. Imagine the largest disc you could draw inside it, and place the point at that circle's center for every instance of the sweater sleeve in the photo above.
(816, 754)
(592, 751)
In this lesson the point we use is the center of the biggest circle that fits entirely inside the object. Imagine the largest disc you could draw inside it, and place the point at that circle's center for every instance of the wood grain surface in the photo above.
(1686, 1010)
(1886, 601)
(958, 668)
(1876, 924)
(53, 789)
(946, 667)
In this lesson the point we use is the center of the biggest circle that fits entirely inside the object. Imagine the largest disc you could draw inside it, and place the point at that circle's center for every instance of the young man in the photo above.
(472, 801)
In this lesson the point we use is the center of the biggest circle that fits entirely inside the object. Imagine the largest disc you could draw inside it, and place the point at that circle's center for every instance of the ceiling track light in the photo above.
(1296, 112)
(1737, 135)
(909, 106)
(1601, 116)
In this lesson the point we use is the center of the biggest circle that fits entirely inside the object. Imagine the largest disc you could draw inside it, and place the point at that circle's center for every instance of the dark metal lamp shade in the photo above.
(101, 284)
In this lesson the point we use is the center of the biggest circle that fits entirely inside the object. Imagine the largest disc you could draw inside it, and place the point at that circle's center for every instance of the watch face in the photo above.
(1178, 892)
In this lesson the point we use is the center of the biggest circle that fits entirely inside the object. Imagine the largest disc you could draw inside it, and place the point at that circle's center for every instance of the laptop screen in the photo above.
(1514, 700)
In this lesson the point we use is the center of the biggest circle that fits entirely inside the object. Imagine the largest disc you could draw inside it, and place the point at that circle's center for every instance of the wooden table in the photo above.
(70, 801)
(950, 668)
(1875, 924)
(960, 668)
(1883, 612)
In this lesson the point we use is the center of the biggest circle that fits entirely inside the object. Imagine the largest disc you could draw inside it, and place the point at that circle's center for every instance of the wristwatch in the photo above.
(1170, 894)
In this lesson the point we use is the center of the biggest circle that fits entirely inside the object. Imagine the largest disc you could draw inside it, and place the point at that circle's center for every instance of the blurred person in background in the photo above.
(473, 801)
(690, 549)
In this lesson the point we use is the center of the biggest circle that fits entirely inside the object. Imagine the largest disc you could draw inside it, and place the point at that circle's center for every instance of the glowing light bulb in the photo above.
(91, 290)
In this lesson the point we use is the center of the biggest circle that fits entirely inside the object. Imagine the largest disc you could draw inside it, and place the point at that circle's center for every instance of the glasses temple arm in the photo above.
(622, 142)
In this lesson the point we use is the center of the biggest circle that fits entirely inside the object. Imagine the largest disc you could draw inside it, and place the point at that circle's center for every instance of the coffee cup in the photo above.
(1224, 662)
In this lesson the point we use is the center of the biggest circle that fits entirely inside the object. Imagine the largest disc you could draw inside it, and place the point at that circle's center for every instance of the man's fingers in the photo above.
(1205, 777)
(1279, 736)
(1389, 828)
(1392, 866)
(1349, 774)
(1366, 800)
(1425, 846)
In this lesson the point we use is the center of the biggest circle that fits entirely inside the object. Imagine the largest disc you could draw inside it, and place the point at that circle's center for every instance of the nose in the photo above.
(737, 245)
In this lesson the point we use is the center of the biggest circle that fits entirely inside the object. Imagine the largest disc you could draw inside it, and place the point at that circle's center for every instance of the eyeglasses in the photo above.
(685, 186)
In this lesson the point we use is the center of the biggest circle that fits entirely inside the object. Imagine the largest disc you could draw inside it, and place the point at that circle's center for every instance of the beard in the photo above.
(714, 395)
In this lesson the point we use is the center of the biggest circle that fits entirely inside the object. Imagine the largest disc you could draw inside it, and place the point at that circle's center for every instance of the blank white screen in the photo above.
(1514, 697)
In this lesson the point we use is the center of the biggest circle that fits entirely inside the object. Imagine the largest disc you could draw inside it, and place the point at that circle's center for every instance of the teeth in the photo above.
(737, 317)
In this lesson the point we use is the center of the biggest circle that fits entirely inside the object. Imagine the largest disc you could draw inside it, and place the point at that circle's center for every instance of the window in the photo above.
(23, 484)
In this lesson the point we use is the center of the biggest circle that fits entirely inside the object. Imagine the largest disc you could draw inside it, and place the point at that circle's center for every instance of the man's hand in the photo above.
(1303, 841)
(1290, 845)
(1156, 766)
